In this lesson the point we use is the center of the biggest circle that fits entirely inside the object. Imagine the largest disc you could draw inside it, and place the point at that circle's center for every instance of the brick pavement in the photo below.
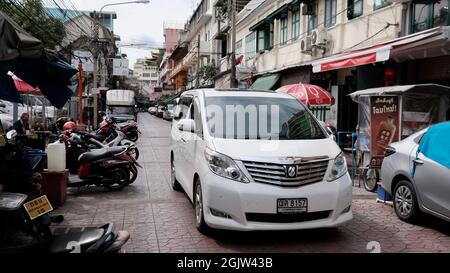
(161, 220)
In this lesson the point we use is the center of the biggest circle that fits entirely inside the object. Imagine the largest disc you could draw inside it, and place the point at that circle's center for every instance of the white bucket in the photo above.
(56, 156)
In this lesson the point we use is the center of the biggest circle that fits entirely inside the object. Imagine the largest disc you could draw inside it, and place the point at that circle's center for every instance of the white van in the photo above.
(257, 160)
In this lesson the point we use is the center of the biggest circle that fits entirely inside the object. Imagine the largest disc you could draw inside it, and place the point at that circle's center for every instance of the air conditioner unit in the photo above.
(319, 37)
(306, 45)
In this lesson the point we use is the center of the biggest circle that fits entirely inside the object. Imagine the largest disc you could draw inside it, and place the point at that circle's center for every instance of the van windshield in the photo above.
(121, 110)
(269, 118)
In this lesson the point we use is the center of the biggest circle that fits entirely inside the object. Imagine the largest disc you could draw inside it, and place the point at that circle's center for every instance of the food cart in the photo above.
(390, 114)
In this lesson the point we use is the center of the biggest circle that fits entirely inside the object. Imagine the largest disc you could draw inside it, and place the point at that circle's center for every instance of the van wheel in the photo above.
(173, 178)
(200, 223)
(405, 202)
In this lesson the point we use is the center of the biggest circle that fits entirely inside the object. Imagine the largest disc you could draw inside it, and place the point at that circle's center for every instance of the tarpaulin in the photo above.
(435, 144)
(8, 90)
(16, 42)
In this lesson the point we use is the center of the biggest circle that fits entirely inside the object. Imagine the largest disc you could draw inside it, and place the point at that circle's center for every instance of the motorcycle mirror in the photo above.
(11, 134)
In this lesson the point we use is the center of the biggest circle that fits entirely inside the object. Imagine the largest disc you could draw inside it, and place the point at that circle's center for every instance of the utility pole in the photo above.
(80, 91)
(95, 48)
(197, 80)
(232, 16)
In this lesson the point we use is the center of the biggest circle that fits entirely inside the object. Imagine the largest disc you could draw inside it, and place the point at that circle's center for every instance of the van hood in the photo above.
(271, 151)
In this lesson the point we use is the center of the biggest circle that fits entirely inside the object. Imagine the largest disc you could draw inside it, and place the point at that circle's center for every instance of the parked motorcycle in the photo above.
(119, 139)
(80, 143)
(15, 208)
(109, 126)
(111, 167)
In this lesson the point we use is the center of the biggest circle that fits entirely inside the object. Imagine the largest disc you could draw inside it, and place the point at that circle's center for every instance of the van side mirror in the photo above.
(186, 125)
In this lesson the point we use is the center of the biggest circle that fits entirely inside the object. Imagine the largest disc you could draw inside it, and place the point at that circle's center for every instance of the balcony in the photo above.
(205, 48)
(194, 29)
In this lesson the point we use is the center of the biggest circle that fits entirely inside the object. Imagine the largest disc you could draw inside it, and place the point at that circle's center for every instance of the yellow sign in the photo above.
(38, 207)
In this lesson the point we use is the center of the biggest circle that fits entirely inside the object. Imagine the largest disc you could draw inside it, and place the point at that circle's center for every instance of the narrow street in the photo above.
(161, 220)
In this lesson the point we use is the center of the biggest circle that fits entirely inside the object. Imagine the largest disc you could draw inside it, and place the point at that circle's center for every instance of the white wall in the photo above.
(344, 35)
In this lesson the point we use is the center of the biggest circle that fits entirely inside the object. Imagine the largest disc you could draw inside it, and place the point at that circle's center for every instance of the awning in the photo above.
(381, 52)
(266, 82)
(400, 89)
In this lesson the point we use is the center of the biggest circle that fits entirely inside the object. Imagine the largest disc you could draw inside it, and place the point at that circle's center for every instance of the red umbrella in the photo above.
(312, 95)
(24, 87)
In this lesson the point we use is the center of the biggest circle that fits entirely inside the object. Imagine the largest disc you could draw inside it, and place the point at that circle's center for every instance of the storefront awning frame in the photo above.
(381, 52)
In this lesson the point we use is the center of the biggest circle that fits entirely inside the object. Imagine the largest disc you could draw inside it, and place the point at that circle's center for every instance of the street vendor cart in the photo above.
(390, 114)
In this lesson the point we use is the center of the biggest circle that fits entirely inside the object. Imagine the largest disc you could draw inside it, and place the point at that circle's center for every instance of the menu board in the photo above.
(385, 126)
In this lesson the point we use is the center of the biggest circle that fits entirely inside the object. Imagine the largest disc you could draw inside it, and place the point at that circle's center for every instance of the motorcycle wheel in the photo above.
(133, 174)
(119, 178)
(370, 179)
(133, 136)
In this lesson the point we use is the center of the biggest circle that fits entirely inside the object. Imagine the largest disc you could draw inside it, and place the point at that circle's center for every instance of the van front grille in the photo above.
(278, 174)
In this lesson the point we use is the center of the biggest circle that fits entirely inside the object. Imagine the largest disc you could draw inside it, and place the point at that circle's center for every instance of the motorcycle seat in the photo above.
(66, 243)
(96, 137)
(100, 154)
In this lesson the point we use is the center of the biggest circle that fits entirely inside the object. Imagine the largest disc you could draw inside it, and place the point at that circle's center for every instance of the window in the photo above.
(354, 8)
(378, 4)
(239, 47)
(182, 109)
(425, 16)
(245, 120)
(265, 37)
(330, 12)
(295, 24)
(250, 46)
(312, 19)
(283, 30)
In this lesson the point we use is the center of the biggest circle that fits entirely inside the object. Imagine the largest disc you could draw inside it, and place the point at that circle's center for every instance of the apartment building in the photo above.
(172, 33)
(147, 76)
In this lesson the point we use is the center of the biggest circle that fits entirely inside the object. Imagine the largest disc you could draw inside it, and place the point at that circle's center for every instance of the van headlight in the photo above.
(339, 168)
(224, 166)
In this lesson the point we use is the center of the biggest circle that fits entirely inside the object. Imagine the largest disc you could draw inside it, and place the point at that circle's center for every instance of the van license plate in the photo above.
(292, 206)
(38, 207)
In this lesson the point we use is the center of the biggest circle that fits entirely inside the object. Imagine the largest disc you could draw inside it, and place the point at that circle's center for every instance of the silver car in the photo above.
(428, 190)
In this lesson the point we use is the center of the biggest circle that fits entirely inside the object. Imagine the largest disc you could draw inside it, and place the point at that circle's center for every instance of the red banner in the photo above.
(385, 126)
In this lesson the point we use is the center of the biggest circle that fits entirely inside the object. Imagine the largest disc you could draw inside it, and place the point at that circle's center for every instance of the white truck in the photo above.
(121, 105)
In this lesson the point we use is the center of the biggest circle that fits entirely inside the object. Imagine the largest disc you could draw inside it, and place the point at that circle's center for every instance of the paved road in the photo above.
(161, 220)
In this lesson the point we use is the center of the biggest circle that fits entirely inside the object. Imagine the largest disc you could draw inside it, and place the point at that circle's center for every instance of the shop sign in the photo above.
(385, 126)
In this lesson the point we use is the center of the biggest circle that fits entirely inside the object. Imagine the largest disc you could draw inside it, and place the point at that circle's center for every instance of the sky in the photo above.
(142, 23)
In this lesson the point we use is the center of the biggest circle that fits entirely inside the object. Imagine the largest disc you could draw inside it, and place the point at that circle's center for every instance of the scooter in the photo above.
(14, 207)
(109, 126)
(110, 167)
(119, 140)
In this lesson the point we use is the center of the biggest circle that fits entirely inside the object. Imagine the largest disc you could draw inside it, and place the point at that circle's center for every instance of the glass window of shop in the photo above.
(295, 24)
(378, 4)
(283, 30)
(250, 46)
(330, 12)
(312, 19)
(354, 8)
(430, 15)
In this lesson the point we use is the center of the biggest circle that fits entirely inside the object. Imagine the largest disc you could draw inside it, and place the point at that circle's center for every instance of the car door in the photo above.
(433, 183)
(179, 137)
(193, 143)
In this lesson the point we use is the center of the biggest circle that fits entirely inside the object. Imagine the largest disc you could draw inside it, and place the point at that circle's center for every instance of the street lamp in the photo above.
(96, 37)
(125, 3)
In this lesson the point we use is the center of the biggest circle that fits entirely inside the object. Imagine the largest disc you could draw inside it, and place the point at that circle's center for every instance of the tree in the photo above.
(30, 15)
(206, 73)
